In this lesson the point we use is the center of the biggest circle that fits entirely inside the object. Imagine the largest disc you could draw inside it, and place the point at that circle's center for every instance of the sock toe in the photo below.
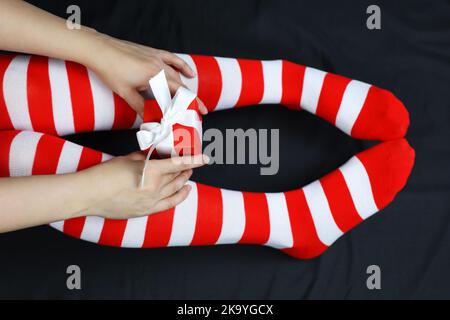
(397, 118)
(383, 117)
(388, 166)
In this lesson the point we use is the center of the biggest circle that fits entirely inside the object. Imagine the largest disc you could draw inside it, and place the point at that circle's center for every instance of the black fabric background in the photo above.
(409, 240)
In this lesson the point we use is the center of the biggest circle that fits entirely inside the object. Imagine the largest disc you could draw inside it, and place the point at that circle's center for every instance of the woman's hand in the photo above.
(115, 190)
(126, 68)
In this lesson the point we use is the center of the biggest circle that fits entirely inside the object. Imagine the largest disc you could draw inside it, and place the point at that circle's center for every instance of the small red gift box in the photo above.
(171, 126)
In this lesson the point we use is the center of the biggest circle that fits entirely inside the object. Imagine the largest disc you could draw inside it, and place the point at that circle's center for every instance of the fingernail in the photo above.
(205, 159)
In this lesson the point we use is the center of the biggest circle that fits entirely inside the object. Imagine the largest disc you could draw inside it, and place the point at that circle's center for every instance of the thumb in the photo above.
(135, 100)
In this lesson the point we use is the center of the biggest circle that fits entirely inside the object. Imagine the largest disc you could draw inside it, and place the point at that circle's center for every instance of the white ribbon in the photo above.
(173, 111)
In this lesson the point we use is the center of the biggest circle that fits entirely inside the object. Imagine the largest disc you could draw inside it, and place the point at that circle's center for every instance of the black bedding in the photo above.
(409, 240)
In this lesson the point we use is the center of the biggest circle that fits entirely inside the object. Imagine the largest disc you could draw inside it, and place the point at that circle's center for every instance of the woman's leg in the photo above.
(302, 222)
(59, 97)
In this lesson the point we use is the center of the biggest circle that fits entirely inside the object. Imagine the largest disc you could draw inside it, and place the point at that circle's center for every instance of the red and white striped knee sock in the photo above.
(58, 97)
(302, 222)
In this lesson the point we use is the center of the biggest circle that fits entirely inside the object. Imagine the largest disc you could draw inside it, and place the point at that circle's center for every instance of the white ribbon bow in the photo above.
(173, 111)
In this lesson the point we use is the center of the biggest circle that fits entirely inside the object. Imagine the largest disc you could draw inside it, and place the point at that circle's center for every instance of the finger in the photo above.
(169, 177)
(201, 107)
(172, 74)
(175, 185)
(178, 63)
(177, 164)
(173, 86)
(173, 200)
(135, 100)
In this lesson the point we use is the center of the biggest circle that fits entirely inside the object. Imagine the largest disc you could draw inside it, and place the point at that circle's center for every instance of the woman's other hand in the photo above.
(115, 185)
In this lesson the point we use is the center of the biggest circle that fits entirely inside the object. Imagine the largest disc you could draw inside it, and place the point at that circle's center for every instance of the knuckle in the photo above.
(166, 204)
(186, 165)
(180, 184)
(164, 53)
(157, 63)
(172, 202)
